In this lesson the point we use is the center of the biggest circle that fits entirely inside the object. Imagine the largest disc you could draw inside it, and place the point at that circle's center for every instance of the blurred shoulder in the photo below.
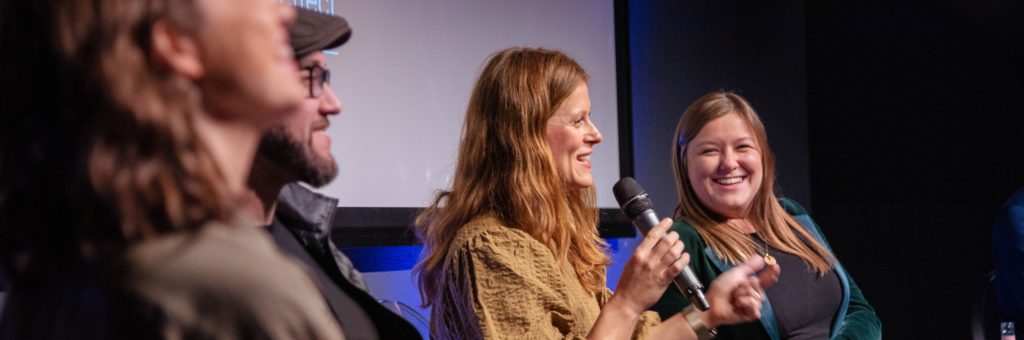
(1017, 199)
(227, 264)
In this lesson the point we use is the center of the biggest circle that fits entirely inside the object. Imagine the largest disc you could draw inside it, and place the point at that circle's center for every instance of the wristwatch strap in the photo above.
(693, 316)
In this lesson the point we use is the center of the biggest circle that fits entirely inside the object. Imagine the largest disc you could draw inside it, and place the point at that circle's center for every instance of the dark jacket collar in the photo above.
(306, 209)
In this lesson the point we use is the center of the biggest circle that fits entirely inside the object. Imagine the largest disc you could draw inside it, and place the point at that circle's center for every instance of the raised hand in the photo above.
(736, 295)
(655, 262)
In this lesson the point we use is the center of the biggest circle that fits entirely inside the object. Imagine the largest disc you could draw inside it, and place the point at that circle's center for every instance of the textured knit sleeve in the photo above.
(501, 284)
(643, 326)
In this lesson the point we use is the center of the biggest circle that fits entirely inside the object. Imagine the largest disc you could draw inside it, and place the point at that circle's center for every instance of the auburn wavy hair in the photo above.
(97, 147)
(505, 168)
(773, 224)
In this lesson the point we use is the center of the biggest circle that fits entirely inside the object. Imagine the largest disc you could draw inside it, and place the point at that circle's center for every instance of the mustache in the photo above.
(321, 124)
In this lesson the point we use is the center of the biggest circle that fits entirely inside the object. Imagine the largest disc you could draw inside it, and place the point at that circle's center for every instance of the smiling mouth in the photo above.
(728, 180)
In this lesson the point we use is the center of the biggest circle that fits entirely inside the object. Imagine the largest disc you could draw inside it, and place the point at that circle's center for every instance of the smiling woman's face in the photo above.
(572, 136)
(724, 166)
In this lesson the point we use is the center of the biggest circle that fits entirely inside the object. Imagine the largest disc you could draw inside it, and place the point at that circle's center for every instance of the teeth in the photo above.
(584, 158)
(730, 180)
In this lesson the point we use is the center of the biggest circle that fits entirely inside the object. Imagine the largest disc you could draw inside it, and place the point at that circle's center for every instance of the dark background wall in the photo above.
(901, 121)
(916, 139)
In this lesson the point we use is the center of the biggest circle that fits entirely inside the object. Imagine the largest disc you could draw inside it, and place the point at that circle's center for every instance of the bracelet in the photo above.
(693, 316)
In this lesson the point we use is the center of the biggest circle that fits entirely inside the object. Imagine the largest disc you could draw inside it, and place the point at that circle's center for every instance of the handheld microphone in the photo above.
(638, 207)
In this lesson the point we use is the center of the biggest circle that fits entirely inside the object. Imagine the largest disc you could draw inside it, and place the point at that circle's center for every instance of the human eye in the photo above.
(708, 150)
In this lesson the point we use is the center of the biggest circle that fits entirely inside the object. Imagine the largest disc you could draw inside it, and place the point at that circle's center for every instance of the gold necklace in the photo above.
(768, 258)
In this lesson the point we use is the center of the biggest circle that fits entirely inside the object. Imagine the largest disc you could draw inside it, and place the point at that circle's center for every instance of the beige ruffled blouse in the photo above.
(501, 283)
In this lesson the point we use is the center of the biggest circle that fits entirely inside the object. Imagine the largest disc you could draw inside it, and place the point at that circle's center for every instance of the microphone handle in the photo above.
(686, 281)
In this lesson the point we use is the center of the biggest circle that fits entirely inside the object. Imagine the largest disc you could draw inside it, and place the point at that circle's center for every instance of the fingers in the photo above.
(748, 307)
(661, 254)
(654, 244)
(667, 249)
(739, 273)
(769, 275)
(747, 299)
(677, 267)
(655, 234)
(752, 265)
(676, 250)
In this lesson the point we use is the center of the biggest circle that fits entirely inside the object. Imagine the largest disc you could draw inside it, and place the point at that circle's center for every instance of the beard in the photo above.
(297, 158)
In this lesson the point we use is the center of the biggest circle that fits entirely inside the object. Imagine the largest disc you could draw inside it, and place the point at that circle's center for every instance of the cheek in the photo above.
(697, 170)
(697, 177)
(295, 127)
(752, 164)
(557, 143)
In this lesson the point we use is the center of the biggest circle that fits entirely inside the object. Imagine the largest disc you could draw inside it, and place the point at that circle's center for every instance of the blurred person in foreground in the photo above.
(729, 213)
(512, 249)
(128, 133)
(297, 149)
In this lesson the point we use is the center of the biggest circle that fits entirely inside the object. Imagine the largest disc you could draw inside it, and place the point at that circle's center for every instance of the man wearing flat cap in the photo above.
(297, 149)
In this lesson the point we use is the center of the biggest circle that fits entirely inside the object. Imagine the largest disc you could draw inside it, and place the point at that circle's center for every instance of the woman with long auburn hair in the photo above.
(512, 249)
(728, 213)
(127, 133)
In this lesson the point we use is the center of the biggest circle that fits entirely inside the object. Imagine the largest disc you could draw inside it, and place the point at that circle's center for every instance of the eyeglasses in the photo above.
(315, 78)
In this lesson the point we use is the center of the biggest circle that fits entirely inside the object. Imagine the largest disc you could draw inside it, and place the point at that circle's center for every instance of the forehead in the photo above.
(728, 127)
(577, 101)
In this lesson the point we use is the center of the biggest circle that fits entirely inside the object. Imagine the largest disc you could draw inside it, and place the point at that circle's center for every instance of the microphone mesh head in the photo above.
(631, 197)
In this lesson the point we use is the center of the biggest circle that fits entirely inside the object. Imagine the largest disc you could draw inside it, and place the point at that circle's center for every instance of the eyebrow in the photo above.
(312, 63)
(741, 139)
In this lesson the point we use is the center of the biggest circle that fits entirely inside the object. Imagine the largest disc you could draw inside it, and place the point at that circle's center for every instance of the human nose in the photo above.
(329, 102)
(728, 162)
(593, 135)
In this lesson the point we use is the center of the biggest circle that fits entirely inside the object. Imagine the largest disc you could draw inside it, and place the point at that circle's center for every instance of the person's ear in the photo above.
(177, 50)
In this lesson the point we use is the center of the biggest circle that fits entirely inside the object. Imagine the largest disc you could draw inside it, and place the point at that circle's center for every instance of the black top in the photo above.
(819, 297)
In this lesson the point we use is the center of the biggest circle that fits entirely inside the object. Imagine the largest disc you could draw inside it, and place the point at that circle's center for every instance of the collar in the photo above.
(306, 209)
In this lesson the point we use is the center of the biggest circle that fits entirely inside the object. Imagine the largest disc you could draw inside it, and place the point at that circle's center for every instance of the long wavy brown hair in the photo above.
(505, 169)
(773, 224)
(97, 147)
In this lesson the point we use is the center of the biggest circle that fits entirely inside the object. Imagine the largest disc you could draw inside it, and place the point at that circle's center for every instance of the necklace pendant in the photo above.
(769, 259)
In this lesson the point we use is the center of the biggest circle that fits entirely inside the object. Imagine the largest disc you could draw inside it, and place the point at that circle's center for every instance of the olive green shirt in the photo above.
(227, 281)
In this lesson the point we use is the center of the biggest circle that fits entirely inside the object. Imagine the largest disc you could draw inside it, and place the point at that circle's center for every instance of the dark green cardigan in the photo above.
(855, 320)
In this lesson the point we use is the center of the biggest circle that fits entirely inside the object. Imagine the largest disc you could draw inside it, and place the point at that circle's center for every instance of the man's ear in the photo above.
(176, 50)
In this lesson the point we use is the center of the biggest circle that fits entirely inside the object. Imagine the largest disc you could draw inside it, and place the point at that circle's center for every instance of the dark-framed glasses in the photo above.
(315, 78)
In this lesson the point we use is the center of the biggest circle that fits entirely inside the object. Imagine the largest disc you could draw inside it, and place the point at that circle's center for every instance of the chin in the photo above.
(583, 184)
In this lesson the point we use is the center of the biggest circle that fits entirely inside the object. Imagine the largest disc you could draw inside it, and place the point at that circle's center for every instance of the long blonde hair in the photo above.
(505, 168)
(773, 224)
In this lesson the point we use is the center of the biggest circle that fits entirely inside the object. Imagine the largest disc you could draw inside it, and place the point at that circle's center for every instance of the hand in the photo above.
(736, 295)
(655, 262)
